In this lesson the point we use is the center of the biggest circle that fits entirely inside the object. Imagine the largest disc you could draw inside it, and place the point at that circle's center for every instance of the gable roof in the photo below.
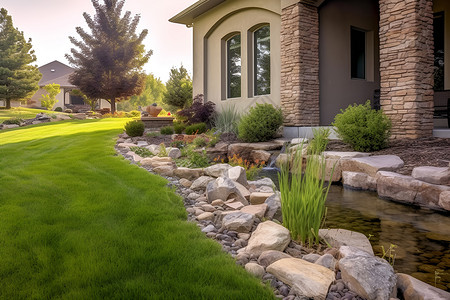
(188, 15)
(56, 72)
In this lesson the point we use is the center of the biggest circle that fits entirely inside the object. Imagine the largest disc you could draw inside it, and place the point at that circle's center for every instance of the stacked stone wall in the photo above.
(300, 65)
(406, 66)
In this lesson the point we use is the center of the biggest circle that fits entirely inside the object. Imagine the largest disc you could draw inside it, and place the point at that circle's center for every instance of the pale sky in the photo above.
(49, 23)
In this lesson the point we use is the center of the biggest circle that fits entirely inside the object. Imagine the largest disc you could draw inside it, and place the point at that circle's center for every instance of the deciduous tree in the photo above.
(153, 93)
(108, 62)
(18, 78)
(49, 100)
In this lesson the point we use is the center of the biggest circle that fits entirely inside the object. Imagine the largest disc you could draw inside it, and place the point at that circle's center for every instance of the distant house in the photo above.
(315, 57)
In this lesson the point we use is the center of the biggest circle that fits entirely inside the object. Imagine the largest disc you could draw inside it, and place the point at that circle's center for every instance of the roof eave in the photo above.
(188, 15)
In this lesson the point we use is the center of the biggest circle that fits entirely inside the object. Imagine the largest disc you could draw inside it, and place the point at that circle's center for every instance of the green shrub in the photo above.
(260, 124)
(363, 128)
(303, 197)
(178, 127)
(58, 109)
(320, 141)
(142, 152)
(193, 159)
(167, 130)
(135, 113)
(135, 128)
(12, 121)
(162, 150)
(197, 128)
(153, 134)
(227, 120)
(199, 142)
(178, 144)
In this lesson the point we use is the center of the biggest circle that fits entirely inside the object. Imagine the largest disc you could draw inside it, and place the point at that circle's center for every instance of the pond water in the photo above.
(422, 237)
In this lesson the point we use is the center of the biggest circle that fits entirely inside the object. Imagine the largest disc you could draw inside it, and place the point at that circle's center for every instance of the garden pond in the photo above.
(421, 236)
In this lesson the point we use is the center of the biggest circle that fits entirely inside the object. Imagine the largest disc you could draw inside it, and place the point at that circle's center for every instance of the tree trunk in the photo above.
(113, 105)
(8, 104)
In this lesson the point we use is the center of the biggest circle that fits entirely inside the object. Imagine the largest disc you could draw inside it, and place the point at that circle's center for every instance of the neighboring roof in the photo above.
(188, 15)
(55, 72)
(63, 81)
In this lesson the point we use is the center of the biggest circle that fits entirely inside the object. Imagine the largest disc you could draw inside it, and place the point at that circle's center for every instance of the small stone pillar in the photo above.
(406, 66)
(300, 64)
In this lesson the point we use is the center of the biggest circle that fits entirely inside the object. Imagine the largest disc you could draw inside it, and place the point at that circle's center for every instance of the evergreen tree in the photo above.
(108, 62)
(18, 79)
(178, 88)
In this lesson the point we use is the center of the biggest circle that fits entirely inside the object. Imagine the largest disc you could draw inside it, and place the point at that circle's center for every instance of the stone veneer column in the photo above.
(406, 66)
(300, 65)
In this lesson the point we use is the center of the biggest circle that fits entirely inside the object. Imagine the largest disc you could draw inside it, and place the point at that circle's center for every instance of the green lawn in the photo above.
(79, 222)
(22, 113)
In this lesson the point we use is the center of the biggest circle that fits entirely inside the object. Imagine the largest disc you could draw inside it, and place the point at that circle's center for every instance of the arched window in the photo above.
(233, 50)
(261, 60)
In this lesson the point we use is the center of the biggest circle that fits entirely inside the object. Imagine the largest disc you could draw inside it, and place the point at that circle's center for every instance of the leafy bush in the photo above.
(167, 130)
(198, 128)
(227, 120)
(133, 114)
(199, 142)
(142, 152)
(178, 144)
(12, 121)
(135, 128)
(193, 159)
(320, 141)
(58, 109)
(198, 112)
(213, 136)
(260, 124)
(303, 194)
(364, 128)
(178, 127)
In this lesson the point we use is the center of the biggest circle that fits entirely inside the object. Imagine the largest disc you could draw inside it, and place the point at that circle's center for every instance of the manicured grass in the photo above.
(79, 222)
(22, 113)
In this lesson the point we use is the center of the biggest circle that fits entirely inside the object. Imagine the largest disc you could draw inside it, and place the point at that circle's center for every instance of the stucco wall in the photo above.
(209, 31)
(438, 6)
(337, 88)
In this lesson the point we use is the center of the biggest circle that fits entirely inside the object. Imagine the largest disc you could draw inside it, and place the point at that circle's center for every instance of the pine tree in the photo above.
(108, 62)
(178, 88)
(18, 79)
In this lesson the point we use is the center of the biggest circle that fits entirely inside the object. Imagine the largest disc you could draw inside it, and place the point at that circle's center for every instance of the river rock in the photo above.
(342, 237)
(311, 257)
(255, 269)
(444, 200)
(238, 221)
(339, 155)
(243, 190)
(217, 202)
(369, 276)
(432, 175)
(256, 210)
(217, 170)
(120, 145)
(268, 236)
(174, 153)
(244, 150)
(201, 183)
(263, 182)
(359, 181)
(304, 278)
(187, 173)
(233, 204)
(274, 207)
(260, 156)
(282, 160)
(259, 198)
(413, 288)
(407, 189)
(157, 161)
(223, 188)
(327, 261)
(333, 171)
(205, 216)
(184, 182)
(270, 256)
(238, 174)
(164, 170)
(372, 164)
(299, 141)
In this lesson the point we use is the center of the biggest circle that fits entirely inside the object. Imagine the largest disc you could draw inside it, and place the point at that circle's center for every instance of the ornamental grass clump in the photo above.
(363, 128)
(227, 120)
(303, 197)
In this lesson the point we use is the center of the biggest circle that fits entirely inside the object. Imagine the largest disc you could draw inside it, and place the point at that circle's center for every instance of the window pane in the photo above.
(358, 53)
(438, 25)
(234, 66)
(262, 60)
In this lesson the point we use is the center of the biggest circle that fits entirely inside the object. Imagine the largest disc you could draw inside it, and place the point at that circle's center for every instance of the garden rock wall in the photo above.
(242, 216)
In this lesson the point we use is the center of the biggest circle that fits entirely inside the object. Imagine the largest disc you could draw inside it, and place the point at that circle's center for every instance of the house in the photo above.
(315, 57)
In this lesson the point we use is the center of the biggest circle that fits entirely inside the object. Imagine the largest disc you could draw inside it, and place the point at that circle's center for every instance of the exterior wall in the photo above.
(406, 66)
(40, 92)
(210, 29)
(337, 89)
(438, 6)
(300, 65)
